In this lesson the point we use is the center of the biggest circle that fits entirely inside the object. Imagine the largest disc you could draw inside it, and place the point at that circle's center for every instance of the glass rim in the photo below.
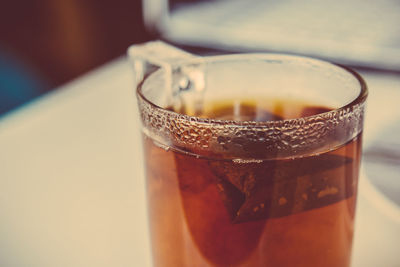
(265, 57)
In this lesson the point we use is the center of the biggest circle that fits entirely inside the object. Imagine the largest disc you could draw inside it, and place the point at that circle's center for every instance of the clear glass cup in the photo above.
(250, 159)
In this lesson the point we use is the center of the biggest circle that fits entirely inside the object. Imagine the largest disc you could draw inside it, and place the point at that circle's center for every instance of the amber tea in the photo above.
(212, 211)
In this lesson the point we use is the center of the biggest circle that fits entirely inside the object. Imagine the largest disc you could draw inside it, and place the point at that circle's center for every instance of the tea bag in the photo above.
(276, 188)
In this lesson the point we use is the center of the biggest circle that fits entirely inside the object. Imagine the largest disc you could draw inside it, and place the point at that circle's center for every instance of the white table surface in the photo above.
(72, 186)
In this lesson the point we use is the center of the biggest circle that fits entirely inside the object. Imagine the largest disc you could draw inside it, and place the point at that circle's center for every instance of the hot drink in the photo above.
(255, 206)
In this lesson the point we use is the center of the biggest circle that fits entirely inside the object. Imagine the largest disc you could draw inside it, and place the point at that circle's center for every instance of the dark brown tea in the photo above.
(293, 211)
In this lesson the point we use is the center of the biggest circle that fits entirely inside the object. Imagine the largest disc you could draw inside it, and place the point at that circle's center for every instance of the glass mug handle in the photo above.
(157, 54)
(182, 73)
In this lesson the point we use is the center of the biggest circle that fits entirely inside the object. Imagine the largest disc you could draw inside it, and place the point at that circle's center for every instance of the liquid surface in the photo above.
(258, 110)
(285, 212)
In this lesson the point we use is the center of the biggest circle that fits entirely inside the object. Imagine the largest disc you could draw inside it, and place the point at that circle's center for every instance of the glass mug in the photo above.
(250, 159)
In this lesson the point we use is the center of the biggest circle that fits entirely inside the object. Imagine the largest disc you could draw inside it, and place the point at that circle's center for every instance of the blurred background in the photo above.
(45, 43)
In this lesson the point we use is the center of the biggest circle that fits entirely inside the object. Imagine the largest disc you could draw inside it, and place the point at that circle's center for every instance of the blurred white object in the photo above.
(355, 32)
(71, 182)
(72, 185)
